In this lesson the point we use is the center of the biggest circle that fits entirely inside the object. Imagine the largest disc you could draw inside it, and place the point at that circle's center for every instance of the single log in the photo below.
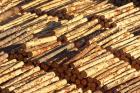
(41, 85)
(13, 74)
(67, 88)
(35, 82)
(85, 60)
(12, 68)
(92, 70)
(52, 87)
(20, 77)
(125, 78)
(94, 62)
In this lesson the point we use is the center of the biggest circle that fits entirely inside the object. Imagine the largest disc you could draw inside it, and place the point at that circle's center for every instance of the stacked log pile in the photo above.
(61, 46)
(18, 77)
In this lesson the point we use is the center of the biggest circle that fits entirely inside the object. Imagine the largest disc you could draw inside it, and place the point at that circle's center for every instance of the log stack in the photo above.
(68, 46)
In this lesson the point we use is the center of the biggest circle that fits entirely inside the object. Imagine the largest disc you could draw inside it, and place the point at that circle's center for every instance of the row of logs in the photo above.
(93, 51)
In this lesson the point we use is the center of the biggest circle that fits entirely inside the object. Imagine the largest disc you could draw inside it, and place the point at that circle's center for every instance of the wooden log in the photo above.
(69, 46)
(83, 52)
(125, 14)
(32, 4)
(130, 47)
(103, 35)
(42, 50)
(117, 39)
(125, 78)
(91, 31)
(11, 37)
(130, 87)
(12, 68)
(52, 87)
(123, 42)
(85, 60)
(10, 31)
(25, 80)
(3, 57)
(12, 12)
(20, 77)
(76, 18)
(4, 61)
(58, 3)
(3, 68)
(66, 28)
(10, 5)
(67, 88)
(19, 40)
(112, 70)
(35, 82)
(134, 90)
(41, 85)
(13, 74)
(119, 10)
(106, 69)
(18, 21)
(106, 56)
(79, 90)
(112, 36)
(97, 48)
(92, 70)
(39, 46)
(40, 41)
(84, 33)
(128, 21)
(36, 21)
(82, 28)
(121, 75)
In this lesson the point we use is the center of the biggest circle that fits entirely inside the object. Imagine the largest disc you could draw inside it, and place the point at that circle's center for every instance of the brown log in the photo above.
(41, 85)
(125, 14)
(52, 87)
(66, 28)
(3, 68)
(25, 17)
(25, 80)
(127, 71)
(125, 35)
(20, 77)
(13, 74)
(12, 12)
(106, 69)
(103, 35)
(92, 70)
(32, 4)
(10, 5)
(12, 68)
(3, 57)
(96, 61)
(69, 46)
(82, 28)
(83, 52)
(42, 50)
(125, 78)
(85, 60)
(124, 42)
(105, 74)
(130, 87)
(67, 88)
(77, 91)
(40, 41)
(112, 36)
(35, 82)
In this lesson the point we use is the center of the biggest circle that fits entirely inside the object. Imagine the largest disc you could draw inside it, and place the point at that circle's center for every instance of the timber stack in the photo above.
(69, 46)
